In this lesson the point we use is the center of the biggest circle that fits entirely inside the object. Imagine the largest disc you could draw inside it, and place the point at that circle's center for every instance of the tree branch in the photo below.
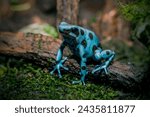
(42, 50)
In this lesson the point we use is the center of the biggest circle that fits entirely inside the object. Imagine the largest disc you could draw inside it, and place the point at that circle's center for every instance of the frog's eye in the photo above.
(75, 31)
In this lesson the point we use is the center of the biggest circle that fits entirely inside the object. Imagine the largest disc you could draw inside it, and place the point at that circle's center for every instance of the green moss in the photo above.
(3, 70)
(31, 82)
(51, 30)
(138, 13)
(135, 11)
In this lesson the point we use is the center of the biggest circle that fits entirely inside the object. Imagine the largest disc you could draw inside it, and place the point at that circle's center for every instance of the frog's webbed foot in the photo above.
(78, 82)
(58, 66)
(100, 67)
(82, 79)
(104, 65)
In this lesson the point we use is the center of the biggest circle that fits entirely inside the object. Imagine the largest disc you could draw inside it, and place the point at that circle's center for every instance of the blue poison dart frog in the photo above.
(85, 45)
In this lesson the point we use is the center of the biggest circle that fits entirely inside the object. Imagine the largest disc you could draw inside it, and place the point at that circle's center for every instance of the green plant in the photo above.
(138, 13)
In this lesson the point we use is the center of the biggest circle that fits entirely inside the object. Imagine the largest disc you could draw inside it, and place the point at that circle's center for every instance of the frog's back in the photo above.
(89, 40)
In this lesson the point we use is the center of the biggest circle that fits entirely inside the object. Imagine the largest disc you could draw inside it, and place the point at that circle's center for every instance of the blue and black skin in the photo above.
(85, 45)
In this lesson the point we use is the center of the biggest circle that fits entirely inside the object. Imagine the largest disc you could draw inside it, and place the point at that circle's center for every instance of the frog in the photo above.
(85, 46)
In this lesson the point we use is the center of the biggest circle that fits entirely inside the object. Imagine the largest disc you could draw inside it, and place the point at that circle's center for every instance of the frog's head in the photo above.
(68, 30)
(105, 54)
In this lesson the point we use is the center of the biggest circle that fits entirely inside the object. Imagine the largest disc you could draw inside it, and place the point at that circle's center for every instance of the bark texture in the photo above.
(67, 10)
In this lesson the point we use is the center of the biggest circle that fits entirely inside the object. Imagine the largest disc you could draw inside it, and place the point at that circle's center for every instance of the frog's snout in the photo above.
(68, 29)
(64, 27)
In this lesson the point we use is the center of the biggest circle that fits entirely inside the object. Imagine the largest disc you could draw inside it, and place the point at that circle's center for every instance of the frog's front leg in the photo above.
(83, 71)
(60, 61)
(108, 55)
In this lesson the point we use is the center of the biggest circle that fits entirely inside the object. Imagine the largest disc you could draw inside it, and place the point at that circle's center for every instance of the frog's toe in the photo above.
(83, 83)
(78, 82)
(93, 71)
(66, 68)
(59, 73)
(96, 69)
(52, 72)
(106, 71)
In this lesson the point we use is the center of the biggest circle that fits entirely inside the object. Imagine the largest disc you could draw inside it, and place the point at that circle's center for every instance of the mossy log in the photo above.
(42, 50)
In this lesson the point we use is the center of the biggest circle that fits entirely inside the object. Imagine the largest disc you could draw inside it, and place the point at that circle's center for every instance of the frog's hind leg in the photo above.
(83, 71)
(105, 64)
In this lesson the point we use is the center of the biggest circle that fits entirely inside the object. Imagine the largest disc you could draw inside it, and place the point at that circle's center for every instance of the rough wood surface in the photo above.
(31, 46)
(67, 10)
(42, 50)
